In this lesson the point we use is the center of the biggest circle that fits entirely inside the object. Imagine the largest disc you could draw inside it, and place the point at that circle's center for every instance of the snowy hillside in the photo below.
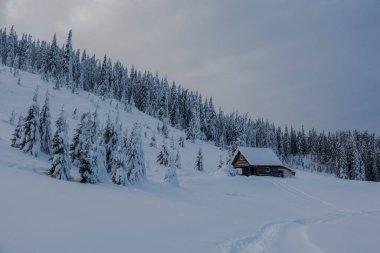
(207, 212)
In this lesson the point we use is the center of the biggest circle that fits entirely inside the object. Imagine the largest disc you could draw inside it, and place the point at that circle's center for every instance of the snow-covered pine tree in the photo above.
(220, 163)
(171, 174)
(163, 155)
(110, 142)
(177, 160)
(31, 140)
(87, 168)
(67, 68)
(87, 164)
(45, 127)
(119, 173)
(104, 78)
(199, 160)
(193, 132)
(100, 159)
(76, 144)
(17, 134)
(52, 61)
(135, 164)
(60, 168)
(359, 169)
(165, 128)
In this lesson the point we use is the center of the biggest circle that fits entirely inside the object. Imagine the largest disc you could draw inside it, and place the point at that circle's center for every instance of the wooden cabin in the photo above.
(259, 162)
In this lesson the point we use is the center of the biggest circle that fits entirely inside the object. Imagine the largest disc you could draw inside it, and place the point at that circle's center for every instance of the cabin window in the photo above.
(268, 170)
(241, 158)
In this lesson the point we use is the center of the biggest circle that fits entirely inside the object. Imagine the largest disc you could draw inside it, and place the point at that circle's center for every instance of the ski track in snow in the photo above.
(282, 184)
(266, 238)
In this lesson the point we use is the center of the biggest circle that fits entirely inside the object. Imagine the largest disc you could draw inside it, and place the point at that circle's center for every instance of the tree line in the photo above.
(348, 154)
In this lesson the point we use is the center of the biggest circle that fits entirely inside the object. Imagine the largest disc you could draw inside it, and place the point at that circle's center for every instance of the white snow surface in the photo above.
(208, 212)
(259, 156)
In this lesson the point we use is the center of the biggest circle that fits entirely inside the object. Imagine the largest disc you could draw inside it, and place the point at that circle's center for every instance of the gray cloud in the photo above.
(295, 62)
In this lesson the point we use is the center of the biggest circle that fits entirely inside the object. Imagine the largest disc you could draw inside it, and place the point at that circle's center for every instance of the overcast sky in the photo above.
(295, 62)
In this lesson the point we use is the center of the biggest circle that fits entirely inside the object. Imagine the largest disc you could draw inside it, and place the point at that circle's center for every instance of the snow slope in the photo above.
(208, 212)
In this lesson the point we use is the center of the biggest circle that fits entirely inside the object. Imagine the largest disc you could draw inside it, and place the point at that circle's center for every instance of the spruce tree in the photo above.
(165, 128)
(119, 174)
(171, 174)
(60, 168)
(110, 142)
(193, 131)
(163, 155)
(67, 67)
(77, 145)
(221, 163)
(31, 140)
(135, 164)
(199, 161)
(17, 134)
(177, 161)
(45, 127)
(87, 164)
(100, 158)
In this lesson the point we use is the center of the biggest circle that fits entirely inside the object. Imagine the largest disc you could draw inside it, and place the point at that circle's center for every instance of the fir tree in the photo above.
(110, 140)
(31, 141)
(87, 164)
(171, 174)
(193, 132)
(221, 163)
(119, 171)
(177, 161)
(165, 128)
(135, 164)
(77, 145)
(163, 155)
(87, 169)
(17, 134)
(60, 168)
(100, 159)
(45, 127)
(199, 161)
(67, 67)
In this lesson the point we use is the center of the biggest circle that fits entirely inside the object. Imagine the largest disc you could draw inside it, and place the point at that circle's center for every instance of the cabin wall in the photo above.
(274, 171)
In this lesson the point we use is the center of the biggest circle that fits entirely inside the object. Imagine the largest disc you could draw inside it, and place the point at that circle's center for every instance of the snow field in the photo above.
(208, 212)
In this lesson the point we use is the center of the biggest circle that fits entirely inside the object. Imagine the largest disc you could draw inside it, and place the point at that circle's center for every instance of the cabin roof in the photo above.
(259, 156)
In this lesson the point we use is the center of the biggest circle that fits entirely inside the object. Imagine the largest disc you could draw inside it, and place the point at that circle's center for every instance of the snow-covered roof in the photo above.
(259, 156)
